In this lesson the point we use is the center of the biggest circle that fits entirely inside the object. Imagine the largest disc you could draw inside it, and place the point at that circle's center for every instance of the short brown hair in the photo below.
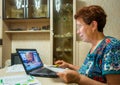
(92, 13)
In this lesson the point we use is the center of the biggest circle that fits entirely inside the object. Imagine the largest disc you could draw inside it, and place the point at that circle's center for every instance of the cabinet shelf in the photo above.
(42, 31)
(64, 50)
(27, 25)
(62, 37)
(27, 20)
(67, 35)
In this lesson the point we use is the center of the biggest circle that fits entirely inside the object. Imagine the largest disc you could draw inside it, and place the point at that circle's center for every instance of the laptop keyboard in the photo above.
(43, 70)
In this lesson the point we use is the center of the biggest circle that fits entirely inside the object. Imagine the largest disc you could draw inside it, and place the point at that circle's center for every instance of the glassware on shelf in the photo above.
(66, 35)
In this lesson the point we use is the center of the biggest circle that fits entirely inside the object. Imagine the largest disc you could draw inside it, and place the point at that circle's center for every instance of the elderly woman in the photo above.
(102, 64)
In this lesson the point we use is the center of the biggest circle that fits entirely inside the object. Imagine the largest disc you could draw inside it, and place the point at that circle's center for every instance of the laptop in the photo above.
(33, 64)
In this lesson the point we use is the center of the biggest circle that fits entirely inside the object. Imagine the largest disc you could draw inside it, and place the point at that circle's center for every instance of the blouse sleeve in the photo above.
(111, 60)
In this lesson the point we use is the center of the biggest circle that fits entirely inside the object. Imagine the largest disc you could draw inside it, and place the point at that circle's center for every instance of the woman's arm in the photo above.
(64, 64)
(70, 76)
(113, 79)
(73, 67)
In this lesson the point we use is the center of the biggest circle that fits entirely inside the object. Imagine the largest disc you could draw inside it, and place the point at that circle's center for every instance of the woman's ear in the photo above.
(94, 25)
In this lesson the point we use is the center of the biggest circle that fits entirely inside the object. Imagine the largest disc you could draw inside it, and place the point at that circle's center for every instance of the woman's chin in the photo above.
(84, 40)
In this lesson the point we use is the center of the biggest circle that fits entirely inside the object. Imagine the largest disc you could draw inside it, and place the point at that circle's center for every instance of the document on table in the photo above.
(55, 69)
(19, 80)
(15, 68)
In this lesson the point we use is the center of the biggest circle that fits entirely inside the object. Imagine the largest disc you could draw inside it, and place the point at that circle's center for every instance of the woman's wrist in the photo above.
(79, 79)
(68, 65)
(72, 67)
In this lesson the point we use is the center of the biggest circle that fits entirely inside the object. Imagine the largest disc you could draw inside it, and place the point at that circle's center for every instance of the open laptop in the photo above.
(33, 65)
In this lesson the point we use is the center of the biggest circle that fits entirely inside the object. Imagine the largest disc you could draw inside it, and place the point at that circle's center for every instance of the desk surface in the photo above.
(43, 80)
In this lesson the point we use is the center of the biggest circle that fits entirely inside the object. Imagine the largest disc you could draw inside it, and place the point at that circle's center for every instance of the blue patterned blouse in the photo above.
(104, 60)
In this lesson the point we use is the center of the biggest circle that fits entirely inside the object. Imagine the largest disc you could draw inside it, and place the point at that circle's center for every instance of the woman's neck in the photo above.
(96, 41)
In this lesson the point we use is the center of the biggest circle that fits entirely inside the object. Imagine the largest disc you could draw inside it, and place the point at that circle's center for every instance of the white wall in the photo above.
(40, 42)
(112, 28)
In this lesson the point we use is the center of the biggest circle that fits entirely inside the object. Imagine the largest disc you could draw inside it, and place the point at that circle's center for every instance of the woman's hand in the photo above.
(69, 76)
(62, 64)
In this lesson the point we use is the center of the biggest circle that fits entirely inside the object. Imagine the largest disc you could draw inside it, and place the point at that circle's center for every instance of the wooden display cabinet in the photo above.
(54, 36)
(24, 21)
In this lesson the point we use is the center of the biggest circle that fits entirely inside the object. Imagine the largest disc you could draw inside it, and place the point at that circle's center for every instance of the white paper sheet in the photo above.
(15, 68)
(19, 80)
(55, 69)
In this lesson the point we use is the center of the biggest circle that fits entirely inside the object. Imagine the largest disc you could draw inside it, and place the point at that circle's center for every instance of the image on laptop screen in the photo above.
(30, 59)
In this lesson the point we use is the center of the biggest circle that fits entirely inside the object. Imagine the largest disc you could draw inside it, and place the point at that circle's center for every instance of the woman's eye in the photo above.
(79, 26)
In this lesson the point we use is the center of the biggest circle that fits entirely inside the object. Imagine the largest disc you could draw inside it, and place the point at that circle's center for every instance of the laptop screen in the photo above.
(30, 59)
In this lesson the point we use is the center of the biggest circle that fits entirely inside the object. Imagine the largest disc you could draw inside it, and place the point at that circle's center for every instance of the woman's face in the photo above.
(84, 30)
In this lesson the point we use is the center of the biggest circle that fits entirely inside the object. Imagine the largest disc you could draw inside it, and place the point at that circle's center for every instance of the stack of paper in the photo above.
(15, 68)
(19, 80)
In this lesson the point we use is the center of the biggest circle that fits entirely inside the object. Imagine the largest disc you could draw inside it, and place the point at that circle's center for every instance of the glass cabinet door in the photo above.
(13, 8)
(63, 30)
(26, 8)
(38, 8)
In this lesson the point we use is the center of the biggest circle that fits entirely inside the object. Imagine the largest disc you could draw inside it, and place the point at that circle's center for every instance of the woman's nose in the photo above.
(78, 31)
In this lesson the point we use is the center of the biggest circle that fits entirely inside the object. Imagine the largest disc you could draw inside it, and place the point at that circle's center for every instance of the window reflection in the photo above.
(18, 4)
(58, 5)
(37, 3)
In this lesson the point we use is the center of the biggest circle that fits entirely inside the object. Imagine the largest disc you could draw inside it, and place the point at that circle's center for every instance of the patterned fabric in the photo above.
(104, 60)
